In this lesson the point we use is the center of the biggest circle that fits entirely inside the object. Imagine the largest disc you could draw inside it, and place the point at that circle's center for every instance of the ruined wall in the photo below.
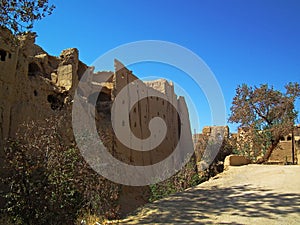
(283, 153)
(206, 142)
(35, 85)
(150, 104)
(140, 115)
(153, 99)
(32, 84)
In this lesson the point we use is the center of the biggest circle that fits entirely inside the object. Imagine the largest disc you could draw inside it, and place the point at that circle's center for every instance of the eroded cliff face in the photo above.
(35, 85)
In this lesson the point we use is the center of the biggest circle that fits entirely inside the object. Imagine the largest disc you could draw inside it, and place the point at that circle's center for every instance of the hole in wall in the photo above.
(2, 55)
(35, 93)
(55, 101)
(102, 97)
(33, 70)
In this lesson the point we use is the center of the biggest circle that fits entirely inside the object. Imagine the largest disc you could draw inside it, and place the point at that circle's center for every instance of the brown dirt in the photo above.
(253, 194)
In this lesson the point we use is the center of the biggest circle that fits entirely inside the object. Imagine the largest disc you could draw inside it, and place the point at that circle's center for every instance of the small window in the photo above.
(289, 138)
(2, 55)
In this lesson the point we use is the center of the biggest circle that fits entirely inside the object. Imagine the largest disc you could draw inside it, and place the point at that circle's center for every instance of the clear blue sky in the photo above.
(242, 41)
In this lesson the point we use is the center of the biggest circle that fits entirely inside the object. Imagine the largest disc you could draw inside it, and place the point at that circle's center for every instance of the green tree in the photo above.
(20, 15)
(266, 114)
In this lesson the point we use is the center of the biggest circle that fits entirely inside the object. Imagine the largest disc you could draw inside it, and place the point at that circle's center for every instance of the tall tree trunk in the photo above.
(269, 151)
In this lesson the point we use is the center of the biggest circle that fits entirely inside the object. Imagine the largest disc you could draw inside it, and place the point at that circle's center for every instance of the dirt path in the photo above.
(253, 194)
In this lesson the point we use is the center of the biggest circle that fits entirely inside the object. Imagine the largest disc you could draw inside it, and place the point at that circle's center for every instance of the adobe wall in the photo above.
(150, 104)
(207, 139)
(141, 114)
(35, 85)
(283, 153)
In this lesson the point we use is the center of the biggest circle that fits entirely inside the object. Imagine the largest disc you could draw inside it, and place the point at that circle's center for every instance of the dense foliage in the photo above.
(20, 15)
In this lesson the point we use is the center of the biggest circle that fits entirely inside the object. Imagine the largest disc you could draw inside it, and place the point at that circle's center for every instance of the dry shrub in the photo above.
(49, 182)
(185, 178)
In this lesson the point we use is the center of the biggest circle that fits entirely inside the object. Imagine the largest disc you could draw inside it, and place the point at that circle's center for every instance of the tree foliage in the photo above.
(20, 15)
(265, 114)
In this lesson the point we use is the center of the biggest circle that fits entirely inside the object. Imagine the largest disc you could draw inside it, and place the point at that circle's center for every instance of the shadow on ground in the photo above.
(203, 206)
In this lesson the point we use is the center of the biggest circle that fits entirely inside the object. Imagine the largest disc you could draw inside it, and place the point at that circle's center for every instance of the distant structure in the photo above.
(208, 145)
(283, 153)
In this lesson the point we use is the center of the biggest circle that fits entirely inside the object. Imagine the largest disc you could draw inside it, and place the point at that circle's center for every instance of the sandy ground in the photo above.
(253, 194)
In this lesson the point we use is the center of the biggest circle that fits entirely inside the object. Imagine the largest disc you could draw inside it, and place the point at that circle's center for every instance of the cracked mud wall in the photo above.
(35, 85)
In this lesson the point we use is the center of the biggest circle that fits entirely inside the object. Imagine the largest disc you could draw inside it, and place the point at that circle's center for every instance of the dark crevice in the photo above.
(33, 70)
(2, 55)
(56, 102)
